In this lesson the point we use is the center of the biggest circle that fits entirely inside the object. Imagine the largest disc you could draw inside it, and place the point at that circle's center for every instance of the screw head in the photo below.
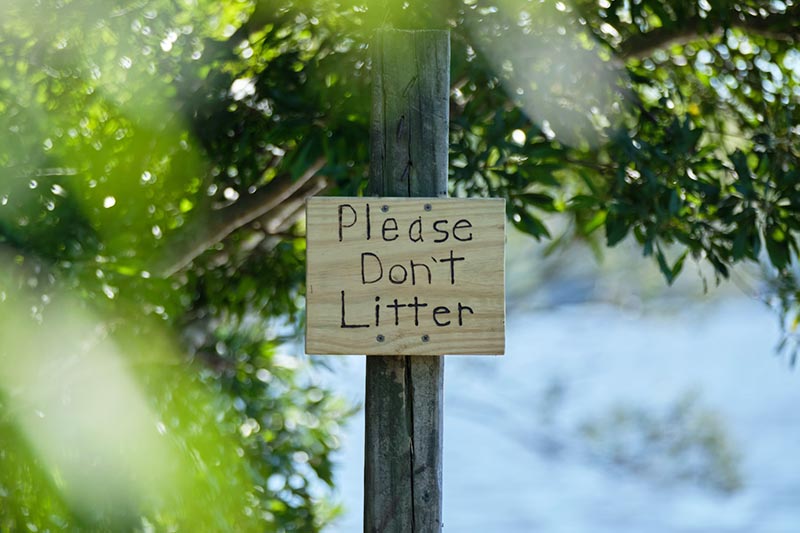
(380, 338)
(428, 207)
(385, 208)
(426, 338)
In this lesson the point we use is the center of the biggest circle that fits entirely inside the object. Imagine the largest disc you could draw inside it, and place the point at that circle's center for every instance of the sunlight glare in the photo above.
(556, 66)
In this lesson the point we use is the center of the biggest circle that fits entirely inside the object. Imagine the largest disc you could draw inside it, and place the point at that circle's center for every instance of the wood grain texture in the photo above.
(403, 406)
(405, 276)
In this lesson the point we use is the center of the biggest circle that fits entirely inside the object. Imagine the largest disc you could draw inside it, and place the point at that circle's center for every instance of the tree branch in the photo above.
(777, 26)
(282, 218)
(203, 232)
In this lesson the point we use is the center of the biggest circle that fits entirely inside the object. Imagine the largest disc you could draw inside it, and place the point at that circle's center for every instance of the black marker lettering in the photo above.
(398, 281)
(443, 232)
(344, 322)
(441, 310)
(418, 238)
(341, 218)
(364, 270)
(396, 306)
(452, 260)
(458, 225)
(461, 308)
(416, 305)
(414, 272)
(369, 225)
(386, 222)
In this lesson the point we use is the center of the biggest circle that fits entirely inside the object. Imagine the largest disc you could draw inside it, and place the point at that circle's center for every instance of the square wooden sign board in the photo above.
(405, 276)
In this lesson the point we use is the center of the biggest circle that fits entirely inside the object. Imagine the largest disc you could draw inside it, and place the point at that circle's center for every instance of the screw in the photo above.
(426, 338)
(385, 208)
(380, 338)
(428, 207)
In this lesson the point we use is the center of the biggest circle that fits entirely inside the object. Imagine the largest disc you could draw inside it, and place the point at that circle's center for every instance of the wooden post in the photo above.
(404, 394)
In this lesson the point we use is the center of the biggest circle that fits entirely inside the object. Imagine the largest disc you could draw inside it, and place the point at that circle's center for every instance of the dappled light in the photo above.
(156, 158)
(130, 399)
(115, 430)
(78, 396)
(561, 76)
(70, 395)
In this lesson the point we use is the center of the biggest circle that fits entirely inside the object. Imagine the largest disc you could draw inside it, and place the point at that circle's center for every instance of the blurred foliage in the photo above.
(673, 123)
(117, 127)
(687, 443)
(134, 131)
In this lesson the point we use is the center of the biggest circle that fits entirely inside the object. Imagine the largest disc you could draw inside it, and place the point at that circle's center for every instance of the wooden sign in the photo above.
(405, 276)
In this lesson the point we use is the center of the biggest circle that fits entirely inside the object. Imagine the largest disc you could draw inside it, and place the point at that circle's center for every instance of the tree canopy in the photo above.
(155, 157)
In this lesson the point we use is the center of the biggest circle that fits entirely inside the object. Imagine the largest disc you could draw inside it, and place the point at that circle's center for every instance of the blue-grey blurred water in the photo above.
(515, 460)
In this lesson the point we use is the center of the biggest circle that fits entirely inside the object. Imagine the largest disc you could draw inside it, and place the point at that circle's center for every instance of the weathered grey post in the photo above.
(409, 143)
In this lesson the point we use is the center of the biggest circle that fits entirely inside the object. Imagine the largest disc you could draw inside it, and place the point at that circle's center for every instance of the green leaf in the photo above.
(677, 267)
(719, 266)
(542, 173)
(527, 223)
(617, 227)
(740, 242)
(648, 247)
(583, 201)
(595, 222)
(663, 265)
(539, 200)
(745, 182)
(777, 246)
(674, 202)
